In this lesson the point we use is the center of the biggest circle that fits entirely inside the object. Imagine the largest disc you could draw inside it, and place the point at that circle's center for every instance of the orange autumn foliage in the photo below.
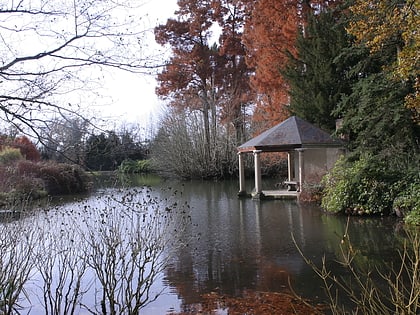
(27, 148)
(270, 36)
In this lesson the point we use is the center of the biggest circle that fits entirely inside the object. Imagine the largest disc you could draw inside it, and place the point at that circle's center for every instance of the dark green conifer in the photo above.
(316, 77)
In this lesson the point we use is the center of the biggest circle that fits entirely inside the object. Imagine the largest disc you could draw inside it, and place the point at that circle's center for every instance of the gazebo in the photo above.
(311, 152)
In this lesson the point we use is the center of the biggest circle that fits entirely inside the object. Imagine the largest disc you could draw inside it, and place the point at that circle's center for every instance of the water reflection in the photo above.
(242, 244)
(233, 244)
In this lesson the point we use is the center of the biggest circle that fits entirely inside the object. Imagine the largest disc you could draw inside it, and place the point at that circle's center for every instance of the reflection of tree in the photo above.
(367, 238)
(219, 256)
(235, 244)
(240, 245)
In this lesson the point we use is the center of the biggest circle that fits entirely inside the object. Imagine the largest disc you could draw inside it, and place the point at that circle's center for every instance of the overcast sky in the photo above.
(132, 97)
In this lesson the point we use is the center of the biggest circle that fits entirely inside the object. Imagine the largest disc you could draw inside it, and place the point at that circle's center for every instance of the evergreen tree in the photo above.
(317, 78)
(376, 119)
(374, 114)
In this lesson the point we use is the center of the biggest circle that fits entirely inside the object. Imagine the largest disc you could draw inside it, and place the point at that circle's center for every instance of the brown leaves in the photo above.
(253, 303)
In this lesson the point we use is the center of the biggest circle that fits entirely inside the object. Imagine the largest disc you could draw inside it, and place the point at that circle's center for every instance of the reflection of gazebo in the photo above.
(293, 135)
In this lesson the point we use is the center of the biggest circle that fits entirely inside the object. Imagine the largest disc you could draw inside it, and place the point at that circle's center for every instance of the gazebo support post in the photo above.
(290, 166)
(242, 190)
(301, 169)
(257, 164)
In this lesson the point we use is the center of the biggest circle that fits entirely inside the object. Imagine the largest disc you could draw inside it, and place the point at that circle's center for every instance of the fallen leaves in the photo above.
(252, 303)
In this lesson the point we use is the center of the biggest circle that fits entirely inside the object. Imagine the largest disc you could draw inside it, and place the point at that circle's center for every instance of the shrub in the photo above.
(363, 186)
(392, 289)
(16, 187)
(58, 178)
(61, 178)
(131, 167)
(407, 204)
(10, 155)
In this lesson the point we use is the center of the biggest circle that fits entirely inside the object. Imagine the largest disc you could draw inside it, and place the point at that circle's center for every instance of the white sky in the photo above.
(132, 96)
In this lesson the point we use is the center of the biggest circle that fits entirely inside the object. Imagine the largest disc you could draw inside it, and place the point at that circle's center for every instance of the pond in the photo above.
(214, 242)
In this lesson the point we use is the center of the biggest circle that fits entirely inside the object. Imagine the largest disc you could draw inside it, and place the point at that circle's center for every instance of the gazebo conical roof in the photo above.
(290, 134)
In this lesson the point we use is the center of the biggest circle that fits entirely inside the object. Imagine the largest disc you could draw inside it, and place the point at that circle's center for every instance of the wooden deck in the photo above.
(279, 194)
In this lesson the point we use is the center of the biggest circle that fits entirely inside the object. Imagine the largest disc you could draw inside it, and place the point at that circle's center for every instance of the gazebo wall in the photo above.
(318, 161)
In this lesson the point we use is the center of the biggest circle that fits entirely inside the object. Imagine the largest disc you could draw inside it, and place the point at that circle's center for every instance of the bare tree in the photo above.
(63, 138)
(51, 51)
(60, 266)
(179, 147)
(102, 256)
(128, 246)
(17, 259)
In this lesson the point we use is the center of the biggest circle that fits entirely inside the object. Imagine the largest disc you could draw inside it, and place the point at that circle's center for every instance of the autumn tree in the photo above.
(270, 38)
(379, 23)
(52, 51)
(270, 34)
(207, 79)
(188, 78)
(233, 75)
(26, 147)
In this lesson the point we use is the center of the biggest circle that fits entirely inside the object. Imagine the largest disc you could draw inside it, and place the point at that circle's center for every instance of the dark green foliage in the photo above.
(407, 203)
(382, 165)
(375, 117)
(365, 185)
(317, 78)
(105, 152)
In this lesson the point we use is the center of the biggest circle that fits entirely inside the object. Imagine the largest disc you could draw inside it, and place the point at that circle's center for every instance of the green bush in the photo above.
(338, 188)
(131, 167)
(407, 204)
(10, 155)
(366, 185)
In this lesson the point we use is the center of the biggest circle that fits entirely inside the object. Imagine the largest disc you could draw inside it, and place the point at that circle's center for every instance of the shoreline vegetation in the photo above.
(362, 187)
(26, 180)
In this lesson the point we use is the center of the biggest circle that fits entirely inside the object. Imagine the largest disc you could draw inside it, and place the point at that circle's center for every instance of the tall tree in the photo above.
(189, 73)
(316, 76)
(377, 23)
(208, 79)
(270, 37)
(233, 78)
(51, 50)
(63, 138)
(270, 34)
(375, 117)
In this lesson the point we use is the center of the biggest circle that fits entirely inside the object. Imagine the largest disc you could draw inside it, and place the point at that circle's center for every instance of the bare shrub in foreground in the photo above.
(395, 291)
(101, 257)
(16, 264)
(128, 247)
(61, 268)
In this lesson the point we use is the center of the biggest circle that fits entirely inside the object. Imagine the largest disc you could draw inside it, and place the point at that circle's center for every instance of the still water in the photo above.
(230, 245)
(243, 244)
